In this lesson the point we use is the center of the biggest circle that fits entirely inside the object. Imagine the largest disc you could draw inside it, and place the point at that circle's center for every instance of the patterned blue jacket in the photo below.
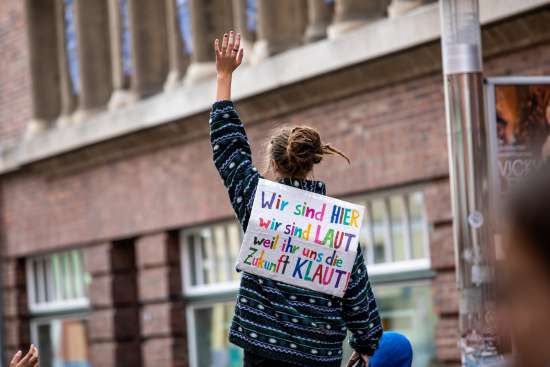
(275, 320)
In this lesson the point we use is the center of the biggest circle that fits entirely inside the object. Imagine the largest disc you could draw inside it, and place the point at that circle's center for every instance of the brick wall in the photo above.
(162, 317)
(114, 323)
(15, 311)
(394, 135)
(15, 95)
(178, 186)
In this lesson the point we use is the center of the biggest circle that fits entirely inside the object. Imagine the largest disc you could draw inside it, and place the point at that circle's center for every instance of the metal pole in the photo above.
(469, 176)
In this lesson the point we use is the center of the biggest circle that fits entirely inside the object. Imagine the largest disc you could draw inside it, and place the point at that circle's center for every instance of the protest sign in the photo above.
(301, 238)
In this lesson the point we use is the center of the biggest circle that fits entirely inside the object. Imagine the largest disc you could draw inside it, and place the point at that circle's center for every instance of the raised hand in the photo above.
(30, 359)
(230, 55)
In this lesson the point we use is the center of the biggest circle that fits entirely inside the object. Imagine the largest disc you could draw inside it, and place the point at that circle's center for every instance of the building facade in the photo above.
(117, 240)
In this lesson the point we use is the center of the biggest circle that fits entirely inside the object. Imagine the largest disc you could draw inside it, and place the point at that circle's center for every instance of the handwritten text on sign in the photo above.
(301, 238)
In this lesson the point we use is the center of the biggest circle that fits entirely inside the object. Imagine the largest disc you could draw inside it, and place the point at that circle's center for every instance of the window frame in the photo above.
(36, 322)
(202, 296)
(190, 291)
(422, 266)
(384, 315)
(191, 329)
(70, 46)
(190, 309)
(185, 32)
(58, 306)
(125, 35)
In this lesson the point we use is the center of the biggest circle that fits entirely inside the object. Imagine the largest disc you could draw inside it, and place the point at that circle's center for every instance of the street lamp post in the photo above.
(469, 174)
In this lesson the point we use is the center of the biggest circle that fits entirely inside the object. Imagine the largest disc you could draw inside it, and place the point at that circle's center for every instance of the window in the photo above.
(251, 11)
(395, 233)
(125, 37)
(184, 20)
(71, 44)
(62, 341)
(395, 236)
(407, 308)
(208, 334)
(58, 285)
(210, 255)
(210, 284)
(57, 282)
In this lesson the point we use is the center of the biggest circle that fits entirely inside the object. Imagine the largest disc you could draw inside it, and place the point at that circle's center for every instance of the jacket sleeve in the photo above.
(360, 311)
(233, 158)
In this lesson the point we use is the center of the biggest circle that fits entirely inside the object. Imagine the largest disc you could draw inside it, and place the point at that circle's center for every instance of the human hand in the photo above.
(230, 55)
(356, 357)
(31, 359)
(365, 359)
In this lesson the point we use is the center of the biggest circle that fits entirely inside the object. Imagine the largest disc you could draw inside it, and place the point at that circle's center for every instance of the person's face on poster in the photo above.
(508, 113)
(523, 113)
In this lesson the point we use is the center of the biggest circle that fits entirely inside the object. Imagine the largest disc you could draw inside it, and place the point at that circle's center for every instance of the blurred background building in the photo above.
(116, 236)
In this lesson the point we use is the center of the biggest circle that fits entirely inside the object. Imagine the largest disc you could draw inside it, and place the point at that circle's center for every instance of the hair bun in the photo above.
(295, 151)
(304, 146)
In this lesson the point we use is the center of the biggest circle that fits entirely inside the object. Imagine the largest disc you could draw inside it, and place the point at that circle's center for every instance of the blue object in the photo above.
(394, 350)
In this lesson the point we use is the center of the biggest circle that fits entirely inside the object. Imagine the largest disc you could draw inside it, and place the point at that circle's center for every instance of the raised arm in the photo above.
(230, 147)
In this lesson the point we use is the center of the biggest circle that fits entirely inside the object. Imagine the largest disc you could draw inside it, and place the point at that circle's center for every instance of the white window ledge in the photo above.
(398, 267)
(393, 271)
(372, 41)
(59, 307)
(218, 289)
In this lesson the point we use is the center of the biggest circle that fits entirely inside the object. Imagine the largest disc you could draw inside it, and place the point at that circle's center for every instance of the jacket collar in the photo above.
(317, 187)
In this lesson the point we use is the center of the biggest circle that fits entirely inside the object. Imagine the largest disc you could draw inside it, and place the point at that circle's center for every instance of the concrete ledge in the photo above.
(370, 42)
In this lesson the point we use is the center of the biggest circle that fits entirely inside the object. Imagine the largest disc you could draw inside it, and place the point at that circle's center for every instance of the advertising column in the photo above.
(469, 176)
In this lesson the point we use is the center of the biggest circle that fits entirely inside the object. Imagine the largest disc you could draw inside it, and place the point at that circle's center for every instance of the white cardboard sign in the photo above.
(301, 238)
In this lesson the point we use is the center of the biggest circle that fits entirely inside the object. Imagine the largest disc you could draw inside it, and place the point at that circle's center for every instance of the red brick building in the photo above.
(116, 236)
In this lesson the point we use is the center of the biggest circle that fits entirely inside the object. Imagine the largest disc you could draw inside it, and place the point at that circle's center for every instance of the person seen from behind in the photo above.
(524, 278)
(275, 323)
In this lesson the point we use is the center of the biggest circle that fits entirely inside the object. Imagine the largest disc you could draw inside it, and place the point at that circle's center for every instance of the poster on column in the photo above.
(301, 238)
(519, 124)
